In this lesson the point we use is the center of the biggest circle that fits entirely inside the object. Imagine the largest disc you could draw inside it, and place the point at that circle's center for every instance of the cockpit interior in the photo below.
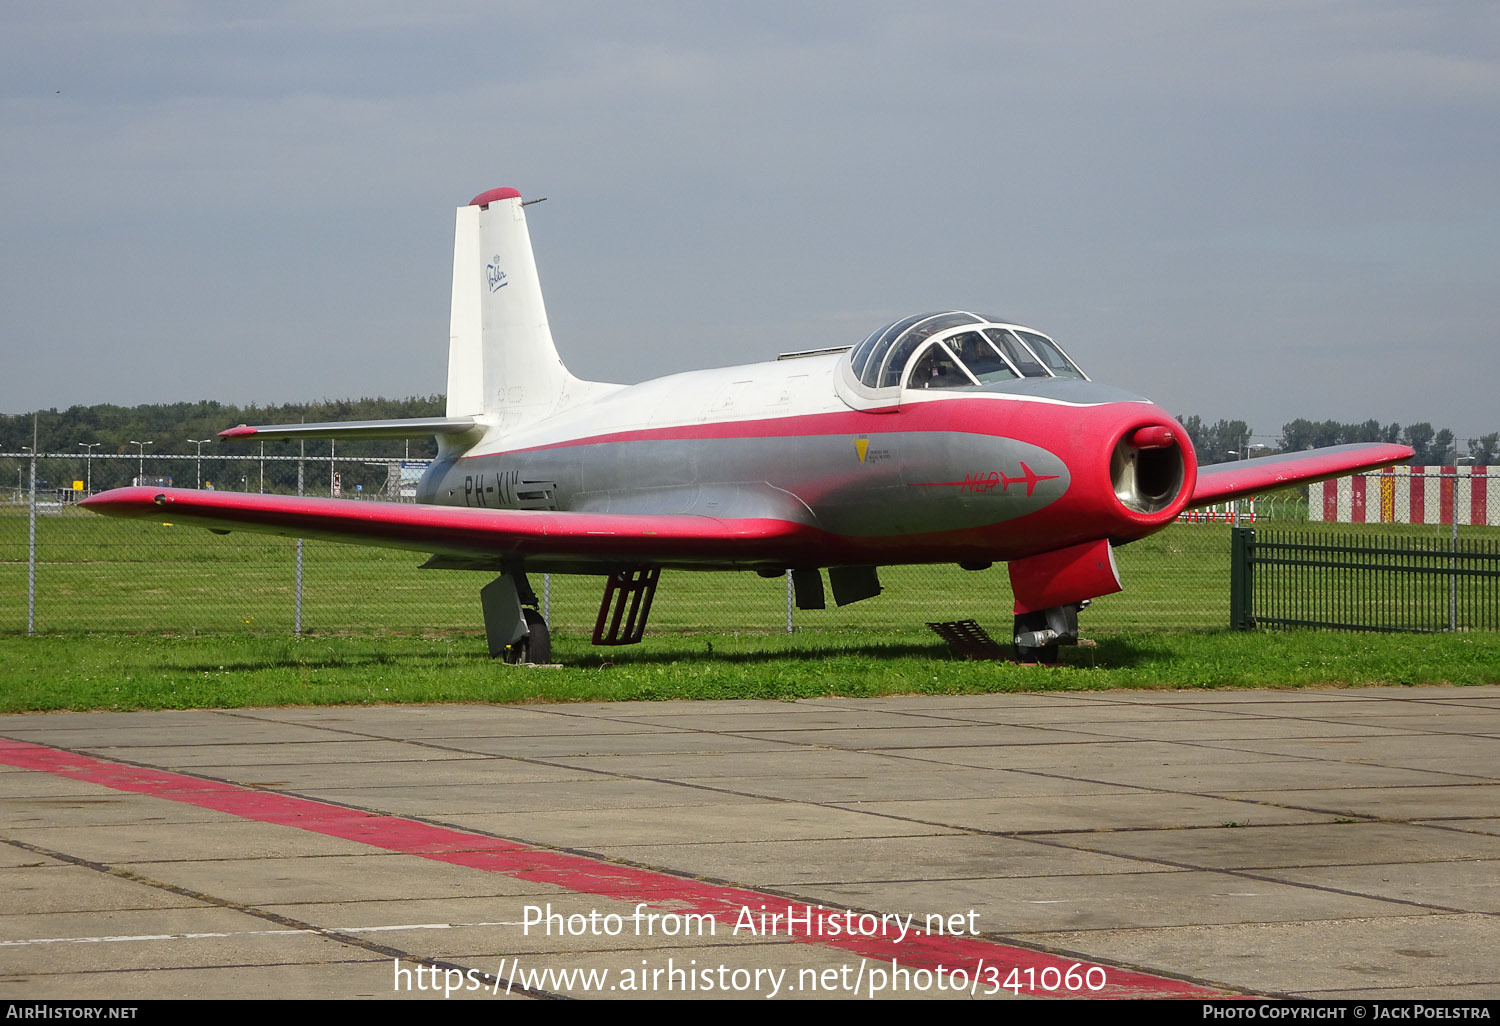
(956, 349)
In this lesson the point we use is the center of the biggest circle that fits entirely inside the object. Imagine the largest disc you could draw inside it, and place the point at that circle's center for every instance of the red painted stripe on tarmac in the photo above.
(657, 891)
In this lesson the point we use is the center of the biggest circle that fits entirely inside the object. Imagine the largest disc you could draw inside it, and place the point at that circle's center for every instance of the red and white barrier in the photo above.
(1410, 495)
(1224, 513)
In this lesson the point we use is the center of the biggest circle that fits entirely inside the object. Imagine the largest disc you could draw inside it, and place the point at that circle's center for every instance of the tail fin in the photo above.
(502, 363)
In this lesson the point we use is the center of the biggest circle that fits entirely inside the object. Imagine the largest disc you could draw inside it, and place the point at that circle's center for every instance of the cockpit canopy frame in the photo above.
(953, 349)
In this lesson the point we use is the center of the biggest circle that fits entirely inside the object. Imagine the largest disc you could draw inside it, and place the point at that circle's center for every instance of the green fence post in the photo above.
(1241, 577)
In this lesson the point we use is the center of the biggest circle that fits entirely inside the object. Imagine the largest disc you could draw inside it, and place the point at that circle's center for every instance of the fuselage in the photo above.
(988, 472)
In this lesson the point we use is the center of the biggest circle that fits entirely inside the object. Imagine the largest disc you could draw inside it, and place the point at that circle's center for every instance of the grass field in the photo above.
(139, 615)
(96, 574)
(115, 671)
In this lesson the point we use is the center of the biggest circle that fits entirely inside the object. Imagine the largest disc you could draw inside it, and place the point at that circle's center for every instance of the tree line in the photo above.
(1227, 440)
(171, 428)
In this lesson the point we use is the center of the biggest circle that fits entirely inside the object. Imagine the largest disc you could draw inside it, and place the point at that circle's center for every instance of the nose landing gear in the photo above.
(1038, 634)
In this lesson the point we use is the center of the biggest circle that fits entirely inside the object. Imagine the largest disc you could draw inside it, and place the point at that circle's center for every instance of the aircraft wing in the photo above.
(463, 537)
(1224, 481)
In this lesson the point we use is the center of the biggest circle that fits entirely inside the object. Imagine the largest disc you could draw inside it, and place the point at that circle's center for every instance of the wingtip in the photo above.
(112, 501)
(242, 431)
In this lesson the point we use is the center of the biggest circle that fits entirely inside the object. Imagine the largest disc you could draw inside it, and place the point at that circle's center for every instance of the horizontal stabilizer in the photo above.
(408, 427)
(1224, 481)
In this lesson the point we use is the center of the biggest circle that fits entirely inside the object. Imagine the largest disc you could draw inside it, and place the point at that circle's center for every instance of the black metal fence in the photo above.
(1347, 582)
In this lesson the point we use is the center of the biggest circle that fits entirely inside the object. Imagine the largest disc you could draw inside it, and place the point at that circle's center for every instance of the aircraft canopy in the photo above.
(956, 349)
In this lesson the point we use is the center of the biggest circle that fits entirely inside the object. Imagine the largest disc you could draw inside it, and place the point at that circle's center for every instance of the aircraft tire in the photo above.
(1046, 654)
(536, 647)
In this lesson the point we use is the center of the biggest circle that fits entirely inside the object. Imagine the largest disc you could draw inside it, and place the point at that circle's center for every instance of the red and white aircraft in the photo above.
(948, 437)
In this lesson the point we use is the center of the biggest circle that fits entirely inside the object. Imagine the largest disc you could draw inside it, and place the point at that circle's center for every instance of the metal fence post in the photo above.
(1453, 559)
(297, 615)
(31, 543)
(790, 627)
(1241, 578)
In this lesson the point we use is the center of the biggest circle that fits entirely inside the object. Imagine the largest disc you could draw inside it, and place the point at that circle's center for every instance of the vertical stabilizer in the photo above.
(502, 363)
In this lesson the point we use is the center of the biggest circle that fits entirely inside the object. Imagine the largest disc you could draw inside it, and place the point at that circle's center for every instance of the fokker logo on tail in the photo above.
(497, 276)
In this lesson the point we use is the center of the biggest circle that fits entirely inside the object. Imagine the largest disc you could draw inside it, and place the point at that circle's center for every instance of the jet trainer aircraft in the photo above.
(945, 437)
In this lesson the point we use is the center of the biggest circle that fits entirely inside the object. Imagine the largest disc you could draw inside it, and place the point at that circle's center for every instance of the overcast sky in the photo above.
(1252, 210)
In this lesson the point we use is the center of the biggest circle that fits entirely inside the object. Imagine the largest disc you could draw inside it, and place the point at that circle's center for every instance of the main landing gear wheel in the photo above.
(536, 647)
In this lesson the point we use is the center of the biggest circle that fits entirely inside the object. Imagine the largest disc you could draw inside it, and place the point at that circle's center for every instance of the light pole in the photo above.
(32, 464)
(1243, 454)
(88, 465)
(199, 461)
(141, 470)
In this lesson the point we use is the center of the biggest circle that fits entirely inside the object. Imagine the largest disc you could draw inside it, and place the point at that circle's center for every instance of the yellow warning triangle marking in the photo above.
(861, 446)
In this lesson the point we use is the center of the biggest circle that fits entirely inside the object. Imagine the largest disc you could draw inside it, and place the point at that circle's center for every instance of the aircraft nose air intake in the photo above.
(1149, 469)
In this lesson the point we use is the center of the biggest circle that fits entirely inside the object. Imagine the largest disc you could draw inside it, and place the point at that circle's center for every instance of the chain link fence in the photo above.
(84, 572)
